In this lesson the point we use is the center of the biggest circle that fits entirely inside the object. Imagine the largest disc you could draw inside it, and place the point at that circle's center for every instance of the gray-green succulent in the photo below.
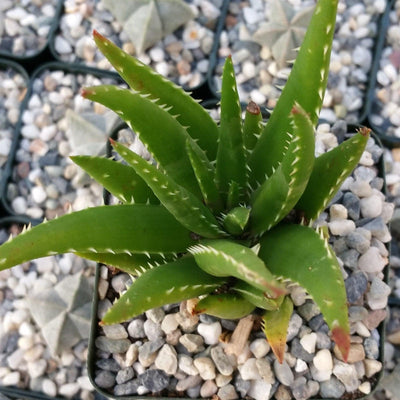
(147, 21)
(225, 212)
(284, 33)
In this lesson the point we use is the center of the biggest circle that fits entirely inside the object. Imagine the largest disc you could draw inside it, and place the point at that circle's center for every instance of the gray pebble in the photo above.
(242, 386)
(108, 364)
(356, 286)
(356, 240)
(350, 258)
(297, 350)
(300, 389)
(283, 372)
(152, 330)
(352, 203)
(112, 345)
(148, 351)
(332, 388)
(136, 329)
(124, 375)
(221, 361)
(371, 348)
(127, 388)
(105, 379)
(154, 380)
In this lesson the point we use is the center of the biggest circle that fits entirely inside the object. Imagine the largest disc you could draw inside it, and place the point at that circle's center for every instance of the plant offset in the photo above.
(224, 213)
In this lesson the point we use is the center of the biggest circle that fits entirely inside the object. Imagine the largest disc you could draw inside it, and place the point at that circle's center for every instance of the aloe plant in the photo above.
(208, 218)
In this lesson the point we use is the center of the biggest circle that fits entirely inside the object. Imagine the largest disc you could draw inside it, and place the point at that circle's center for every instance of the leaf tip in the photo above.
(342, 339)
(253, 108)
(364, 131)
(87, 92)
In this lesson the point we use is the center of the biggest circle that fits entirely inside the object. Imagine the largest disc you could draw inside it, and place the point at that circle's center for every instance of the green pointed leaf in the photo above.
(275, 326)
(306, 86)
(160, 132)
(224, 305)
(252, 126)
(165, 284)
(230, 165)
(225, 258)
(120, 180)
(205, 174)
(142, 78)
(256, 296)
(182, 204)
(236, 220)
(300, 254)
(329, 172)
(105, 229)
(131, 263)
(276, 197)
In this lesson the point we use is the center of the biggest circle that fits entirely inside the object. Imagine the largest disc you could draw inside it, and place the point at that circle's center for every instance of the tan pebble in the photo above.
(356, 353)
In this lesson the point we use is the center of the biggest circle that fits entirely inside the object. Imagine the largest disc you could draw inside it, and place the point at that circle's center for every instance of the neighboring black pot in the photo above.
(13, 68)
(75, 70)
(38, 56)
(217, 62)
(87, 23)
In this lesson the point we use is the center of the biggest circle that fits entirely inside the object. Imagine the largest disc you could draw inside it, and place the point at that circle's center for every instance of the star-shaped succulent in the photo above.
(148, 21)
(284, 33)
(63, 313)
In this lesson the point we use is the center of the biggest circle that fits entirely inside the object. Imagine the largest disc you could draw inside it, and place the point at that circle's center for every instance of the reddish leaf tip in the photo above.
(86, 92)
(364, 131)
(342, 339)
(253, 108)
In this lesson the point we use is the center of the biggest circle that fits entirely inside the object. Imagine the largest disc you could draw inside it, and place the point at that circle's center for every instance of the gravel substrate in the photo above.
(12, 91)
(259, 76)
(26, 361)
(25, 26)
(168, 349)
(182, 56)
(57, 123)
(386, 108)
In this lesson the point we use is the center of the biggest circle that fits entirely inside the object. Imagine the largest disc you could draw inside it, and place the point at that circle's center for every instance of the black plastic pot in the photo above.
(36, 58)
(92, 353)
(373, 105)
(200, 88)
(11, 162)
(12, 68)
(363, 112)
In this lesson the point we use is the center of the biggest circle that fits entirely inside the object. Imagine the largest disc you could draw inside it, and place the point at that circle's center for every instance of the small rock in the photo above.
(210, 332)
(371, 261)
(332, 389)
(347, 374)
(323, 360)
(105, 379)
(227, 392)
(208, 389)
(259, 347)
(378, 294)
(136, 329)
(283, 373)
(356, 286)
(308, 342)
(189, 382)
(221, 361)
(249, 370)
(260, 390)
(193, 343)
(124, 375)
(167, 360)
(205, 367)
(356, 353)
(341, 227)
(154, 380)
(186, 365)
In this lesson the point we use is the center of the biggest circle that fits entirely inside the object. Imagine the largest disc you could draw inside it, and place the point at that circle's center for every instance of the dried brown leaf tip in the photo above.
(364, 131)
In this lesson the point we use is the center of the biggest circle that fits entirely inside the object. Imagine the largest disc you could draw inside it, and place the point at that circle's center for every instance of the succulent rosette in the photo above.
(223, 212)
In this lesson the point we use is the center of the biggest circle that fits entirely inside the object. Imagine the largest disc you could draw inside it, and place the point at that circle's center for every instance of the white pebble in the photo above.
(249, 370)
(49, 387)
(341, 227)
(337, 211)
(371, 261)
(309, 341)
(260, 390)
(210, 332)
(259, 347)
(39, 195)
(323, 360)
(371, 207)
